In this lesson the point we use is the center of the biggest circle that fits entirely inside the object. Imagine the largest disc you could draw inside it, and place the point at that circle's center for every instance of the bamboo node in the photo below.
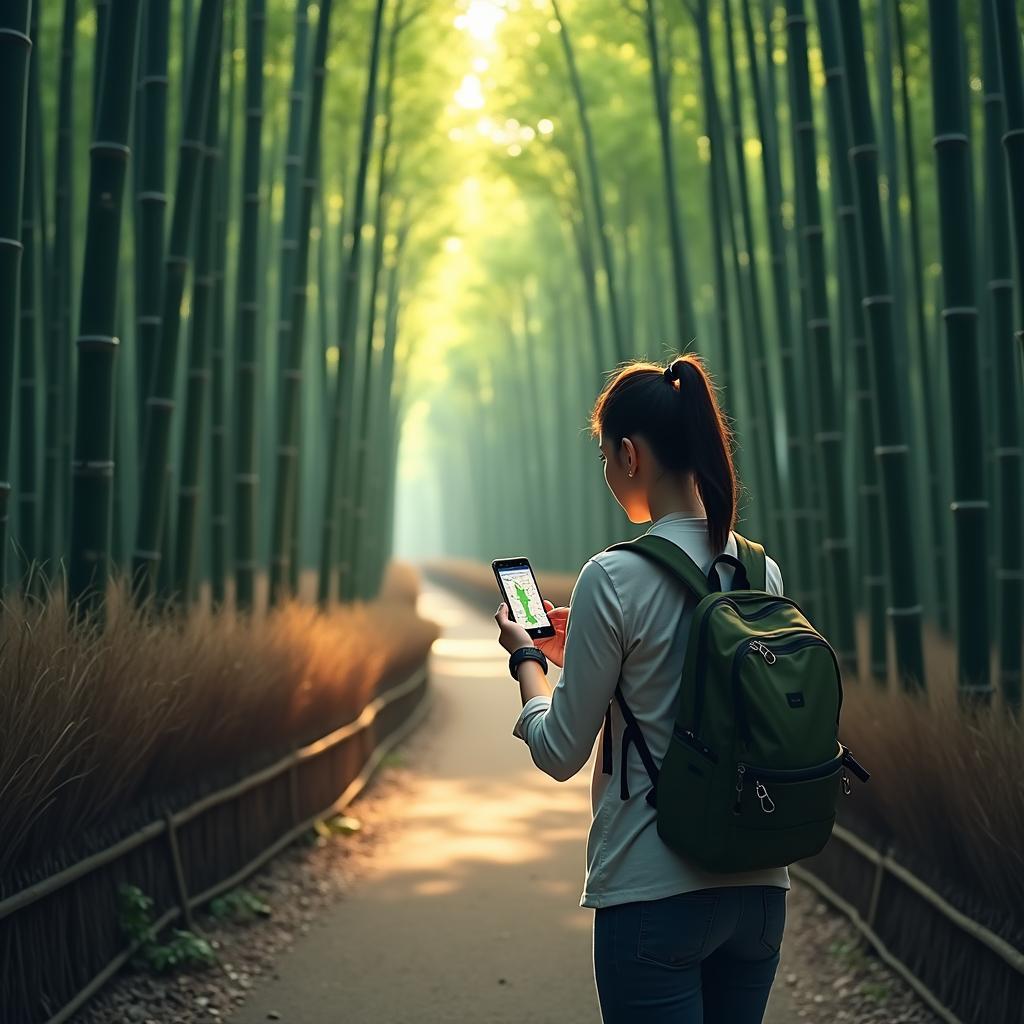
(96, 342)
(913, 609)
(99, 467)
(971, 505)
(101, 146)
(946, 138)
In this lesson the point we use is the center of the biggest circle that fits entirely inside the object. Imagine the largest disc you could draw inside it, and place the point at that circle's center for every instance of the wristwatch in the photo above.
(525, 654)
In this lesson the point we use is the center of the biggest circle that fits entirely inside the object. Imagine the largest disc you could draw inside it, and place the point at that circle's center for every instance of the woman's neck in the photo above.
(668, 496)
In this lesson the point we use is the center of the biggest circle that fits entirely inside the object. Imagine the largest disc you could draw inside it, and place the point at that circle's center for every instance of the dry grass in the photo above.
(94, 721)
(947, 787)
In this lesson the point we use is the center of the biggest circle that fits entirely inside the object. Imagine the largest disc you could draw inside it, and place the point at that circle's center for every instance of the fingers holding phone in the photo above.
(554, 646)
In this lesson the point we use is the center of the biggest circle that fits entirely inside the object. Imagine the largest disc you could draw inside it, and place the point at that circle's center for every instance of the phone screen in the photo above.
(525, 605)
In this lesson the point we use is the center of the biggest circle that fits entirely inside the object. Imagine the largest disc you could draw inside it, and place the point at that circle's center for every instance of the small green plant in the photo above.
(876, 990)
(239, 905)
(337, 825)
(135, 917)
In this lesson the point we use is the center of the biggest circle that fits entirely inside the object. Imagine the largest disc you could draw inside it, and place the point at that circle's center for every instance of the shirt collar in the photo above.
(679, 517)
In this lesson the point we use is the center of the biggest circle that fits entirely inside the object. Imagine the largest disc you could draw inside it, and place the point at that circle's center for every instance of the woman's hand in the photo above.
(512, 635)
(554, 646)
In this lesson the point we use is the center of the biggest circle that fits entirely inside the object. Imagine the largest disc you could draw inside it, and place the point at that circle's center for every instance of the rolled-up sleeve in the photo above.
(560, 730)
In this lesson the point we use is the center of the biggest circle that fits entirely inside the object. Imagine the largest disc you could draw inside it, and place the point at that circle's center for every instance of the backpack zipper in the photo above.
(701, 669)
(688, 738)
(801, 639)
(816, 771)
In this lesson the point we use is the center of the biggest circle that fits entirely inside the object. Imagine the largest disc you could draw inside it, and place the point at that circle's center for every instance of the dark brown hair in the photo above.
(676, 410)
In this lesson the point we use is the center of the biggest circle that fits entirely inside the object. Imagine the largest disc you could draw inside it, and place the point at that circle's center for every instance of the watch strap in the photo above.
(526, 654)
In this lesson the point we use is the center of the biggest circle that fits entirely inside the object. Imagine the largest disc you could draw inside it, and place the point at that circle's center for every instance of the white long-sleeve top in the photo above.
(628, 615)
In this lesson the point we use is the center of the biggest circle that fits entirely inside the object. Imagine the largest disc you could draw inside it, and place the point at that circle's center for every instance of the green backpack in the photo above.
(752, 773)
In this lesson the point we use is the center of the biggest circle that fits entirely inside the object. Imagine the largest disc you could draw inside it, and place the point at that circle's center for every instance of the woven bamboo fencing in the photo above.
(59, 938)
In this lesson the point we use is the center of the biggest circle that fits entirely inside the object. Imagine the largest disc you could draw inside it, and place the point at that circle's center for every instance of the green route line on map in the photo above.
(524, 600)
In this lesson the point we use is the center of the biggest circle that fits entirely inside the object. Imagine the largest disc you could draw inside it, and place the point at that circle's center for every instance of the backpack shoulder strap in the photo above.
(752, 556)
(672, 557)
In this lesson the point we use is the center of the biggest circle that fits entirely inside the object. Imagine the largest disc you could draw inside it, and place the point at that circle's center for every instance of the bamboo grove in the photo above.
(823, 199)
(246, 246)
(172, 220)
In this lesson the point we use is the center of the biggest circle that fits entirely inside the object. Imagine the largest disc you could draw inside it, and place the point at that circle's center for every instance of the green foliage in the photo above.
(239, 905)
(338, 825)
(184, 950)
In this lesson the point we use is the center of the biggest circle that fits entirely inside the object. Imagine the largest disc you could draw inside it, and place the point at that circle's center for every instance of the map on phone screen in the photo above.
(526, 606)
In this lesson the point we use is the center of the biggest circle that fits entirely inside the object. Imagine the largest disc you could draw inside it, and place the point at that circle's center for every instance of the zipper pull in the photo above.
(756, 645)
(846, 783)
(740, 769)
(855, 766)
(768, 806)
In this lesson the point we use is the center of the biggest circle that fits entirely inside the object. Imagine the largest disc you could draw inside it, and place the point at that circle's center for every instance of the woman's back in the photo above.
(626, 611)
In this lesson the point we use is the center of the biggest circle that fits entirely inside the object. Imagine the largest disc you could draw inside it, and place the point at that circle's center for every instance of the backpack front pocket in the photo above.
(782, 815)
(774, 798)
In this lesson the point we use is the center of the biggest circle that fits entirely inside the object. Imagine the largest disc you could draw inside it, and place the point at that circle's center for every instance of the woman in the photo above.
(671, 942)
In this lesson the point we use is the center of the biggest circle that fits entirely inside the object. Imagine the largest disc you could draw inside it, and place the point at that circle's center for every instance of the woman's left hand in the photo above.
(512, 635)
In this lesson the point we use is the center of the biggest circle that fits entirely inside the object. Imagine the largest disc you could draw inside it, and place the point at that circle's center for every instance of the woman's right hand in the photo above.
(554, 646)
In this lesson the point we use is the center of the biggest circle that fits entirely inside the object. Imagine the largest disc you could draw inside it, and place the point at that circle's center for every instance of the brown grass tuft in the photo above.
(93, 721)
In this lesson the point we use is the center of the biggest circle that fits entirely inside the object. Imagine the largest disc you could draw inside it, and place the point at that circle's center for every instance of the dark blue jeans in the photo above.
(703, 957)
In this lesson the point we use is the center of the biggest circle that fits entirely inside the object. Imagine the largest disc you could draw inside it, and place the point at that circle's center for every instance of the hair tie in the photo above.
(670, 372)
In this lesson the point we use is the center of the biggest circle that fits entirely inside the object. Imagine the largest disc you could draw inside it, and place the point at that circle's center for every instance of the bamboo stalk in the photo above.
(686, 328)
(285, 501)
(246, 464)
(93, 466)
(219, 356)
(32, 241)
(1008, 36)
(201, 325)
(15, 52)
(934, 502)
(960, 317)
(594, 178)
(152, 197)
(160, 400)
(347, 319)
(355, 542)
(827, 428)
(852, 289)
(1009, 556)
(58, 346)
(280, 578)
(892, 449)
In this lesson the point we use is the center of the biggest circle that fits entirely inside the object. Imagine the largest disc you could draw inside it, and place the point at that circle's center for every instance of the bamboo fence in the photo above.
(59, 938)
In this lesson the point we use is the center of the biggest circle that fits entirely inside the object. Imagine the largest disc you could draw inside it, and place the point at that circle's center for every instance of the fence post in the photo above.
(293, 791)
(179, 873)
(876, 885)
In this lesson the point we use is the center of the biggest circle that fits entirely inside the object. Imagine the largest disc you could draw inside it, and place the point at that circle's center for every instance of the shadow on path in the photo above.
(470, 911)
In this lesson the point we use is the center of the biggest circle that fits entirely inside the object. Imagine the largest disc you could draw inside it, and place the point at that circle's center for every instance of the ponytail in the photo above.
(709, 443)
(676, 410)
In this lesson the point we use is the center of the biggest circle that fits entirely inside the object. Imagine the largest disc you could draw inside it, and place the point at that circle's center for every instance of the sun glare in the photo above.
(470, 95)
(480, 19)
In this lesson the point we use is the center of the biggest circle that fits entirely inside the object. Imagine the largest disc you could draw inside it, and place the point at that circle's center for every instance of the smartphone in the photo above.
(519, 588)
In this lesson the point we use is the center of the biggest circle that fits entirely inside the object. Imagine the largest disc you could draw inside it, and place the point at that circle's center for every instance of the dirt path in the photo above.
(470, 908)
